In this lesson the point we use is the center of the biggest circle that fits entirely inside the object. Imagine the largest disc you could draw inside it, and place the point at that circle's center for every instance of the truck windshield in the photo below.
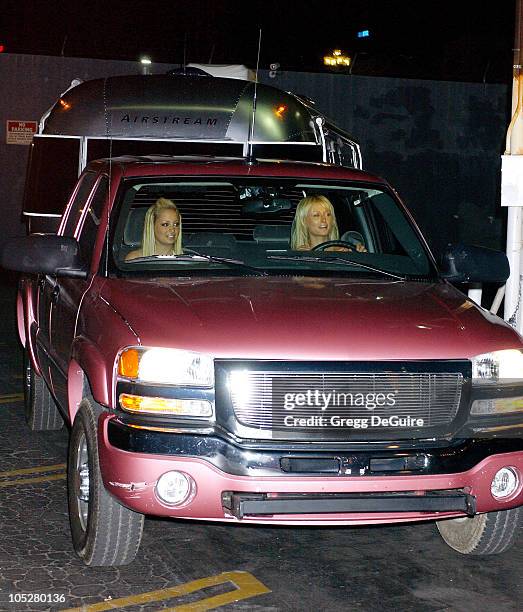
(242, 226)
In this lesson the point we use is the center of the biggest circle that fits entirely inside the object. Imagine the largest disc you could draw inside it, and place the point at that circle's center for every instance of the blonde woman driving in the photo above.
(315, 223)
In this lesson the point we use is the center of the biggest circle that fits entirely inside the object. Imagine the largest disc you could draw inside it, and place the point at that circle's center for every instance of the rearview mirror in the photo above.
(44, 254)
(266, 206)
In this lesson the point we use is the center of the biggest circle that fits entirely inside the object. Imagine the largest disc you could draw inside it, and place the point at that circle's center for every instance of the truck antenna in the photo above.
(185, 53)
(108, 134)
(250, 156)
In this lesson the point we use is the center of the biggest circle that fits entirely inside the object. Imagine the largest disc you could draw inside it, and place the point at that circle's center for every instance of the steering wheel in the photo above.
(342, 243)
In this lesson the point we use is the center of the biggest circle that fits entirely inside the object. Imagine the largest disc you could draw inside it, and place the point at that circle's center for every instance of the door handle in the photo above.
(55, 294)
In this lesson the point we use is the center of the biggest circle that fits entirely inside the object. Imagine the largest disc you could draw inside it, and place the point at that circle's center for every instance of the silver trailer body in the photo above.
(172, 115)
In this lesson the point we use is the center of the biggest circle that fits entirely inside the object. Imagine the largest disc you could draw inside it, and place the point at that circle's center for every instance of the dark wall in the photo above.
(438, 143)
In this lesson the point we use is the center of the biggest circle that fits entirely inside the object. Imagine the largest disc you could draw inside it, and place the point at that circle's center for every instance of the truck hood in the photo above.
(308, 318)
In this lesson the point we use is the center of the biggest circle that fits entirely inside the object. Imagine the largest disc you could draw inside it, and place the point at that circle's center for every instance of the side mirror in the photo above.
(464, 263)
(44, 254)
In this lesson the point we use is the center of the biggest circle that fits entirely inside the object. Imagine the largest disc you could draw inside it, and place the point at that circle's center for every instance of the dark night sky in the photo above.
(454, 40)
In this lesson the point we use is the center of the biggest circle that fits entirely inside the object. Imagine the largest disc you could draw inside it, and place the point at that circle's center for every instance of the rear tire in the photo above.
(41, 411)
(104, 532)
(484, 534)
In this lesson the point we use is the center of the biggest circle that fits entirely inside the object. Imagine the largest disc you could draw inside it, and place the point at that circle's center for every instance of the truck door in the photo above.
(48, 286)
(43, 344)
(67, 293)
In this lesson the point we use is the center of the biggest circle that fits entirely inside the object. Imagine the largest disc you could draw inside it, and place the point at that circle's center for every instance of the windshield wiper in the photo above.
(338, 260)
(191, 255)
(226, 261)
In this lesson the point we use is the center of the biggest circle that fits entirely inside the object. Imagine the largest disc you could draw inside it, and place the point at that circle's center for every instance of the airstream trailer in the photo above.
(170, 114)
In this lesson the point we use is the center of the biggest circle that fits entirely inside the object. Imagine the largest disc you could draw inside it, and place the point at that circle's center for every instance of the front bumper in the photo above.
(346, 497)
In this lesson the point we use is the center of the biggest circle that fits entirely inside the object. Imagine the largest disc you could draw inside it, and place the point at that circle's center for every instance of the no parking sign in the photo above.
(20, 132)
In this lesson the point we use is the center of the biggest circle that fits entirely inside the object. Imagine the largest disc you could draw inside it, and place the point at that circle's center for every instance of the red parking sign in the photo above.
(20, 132)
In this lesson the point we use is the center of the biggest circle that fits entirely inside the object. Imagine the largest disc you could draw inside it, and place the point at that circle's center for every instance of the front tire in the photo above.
(104, 532)
(41, 411)
(484, 534)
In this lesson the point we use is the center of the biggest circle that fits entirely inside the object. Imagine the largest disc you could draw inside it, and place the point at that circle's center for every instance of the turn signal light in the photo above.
(128, 363)
(164, 405)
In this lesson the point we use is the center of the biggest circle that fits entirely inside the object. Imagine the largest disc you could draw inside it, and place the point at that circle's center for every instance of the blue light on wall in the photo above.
(363, 34)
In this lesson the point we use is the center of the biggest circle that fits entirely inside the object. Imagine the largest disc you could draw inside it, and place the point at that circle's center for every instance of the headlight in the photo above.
(498, 367)
(167, 366)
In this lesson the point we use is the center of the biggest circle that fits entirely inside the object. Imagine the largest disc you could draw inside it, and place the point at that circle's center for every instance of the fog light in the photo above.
(175, 488)
(497, 406)
(504, 483)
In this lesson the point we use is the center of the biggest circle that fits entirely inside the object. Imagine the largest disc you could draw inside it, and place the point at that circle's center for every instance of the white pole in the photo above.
(512, 183)
(514, 235)
(475, 294)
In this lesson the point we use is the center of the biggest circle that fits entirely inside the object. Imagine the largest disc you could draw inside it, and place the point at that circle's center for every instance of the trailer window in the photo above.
(52, 172)
(98, 148)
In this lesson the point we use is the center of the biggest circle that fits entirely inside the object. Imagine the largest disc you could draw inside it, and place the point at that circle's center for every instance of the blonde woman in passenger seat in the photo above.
(162, 231)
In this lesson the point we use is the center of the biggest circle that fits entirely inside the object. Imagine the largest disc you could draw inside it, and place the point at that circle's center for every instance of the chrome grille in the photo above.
(258, 397)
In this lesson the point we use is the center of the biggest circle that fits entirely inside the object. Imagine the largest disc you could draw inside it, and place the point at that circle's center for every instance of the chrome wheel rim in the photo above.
(28, 376)
(82, 481)
(28, 379)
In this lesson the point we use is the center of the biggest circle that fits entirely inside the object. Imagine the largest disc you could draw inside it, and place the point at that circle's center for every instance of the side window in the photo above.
(92, 217)
(77, 206)
(388, 241)
(395, 235)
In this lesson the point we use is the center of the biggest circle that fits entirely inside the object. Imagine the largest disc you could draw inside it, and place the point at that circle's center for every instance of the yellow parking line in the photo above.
(34, 470)
(246, 586)
(12, 397)
(6, 479)
(23, 481)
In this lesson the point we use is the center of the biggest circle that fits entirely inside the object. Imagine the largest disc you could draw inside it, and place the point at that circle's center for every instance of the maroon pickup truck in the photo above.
(266, 342)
